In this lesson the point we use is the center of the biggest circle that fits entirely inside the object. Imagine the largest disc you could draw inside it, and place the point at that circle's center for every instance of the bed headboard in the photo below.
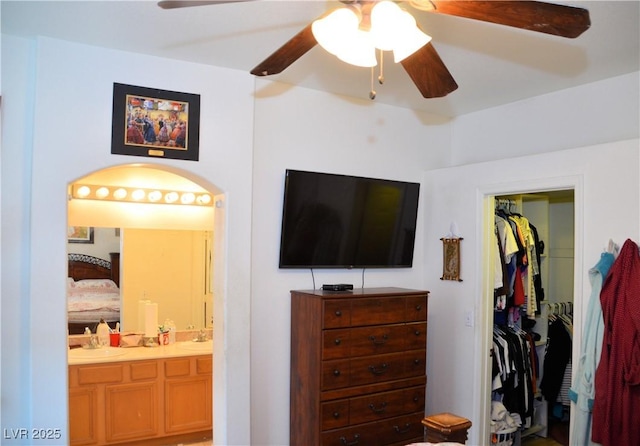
(82, 266)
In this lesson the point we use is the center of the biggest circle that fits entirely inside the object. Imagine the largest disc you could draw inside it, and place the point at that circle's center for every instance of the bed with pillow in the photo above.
(93, 292)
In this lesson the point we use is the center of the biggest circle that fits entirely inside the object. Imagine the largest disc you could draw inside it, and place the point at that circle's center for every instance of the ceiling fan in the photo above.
(425, 67)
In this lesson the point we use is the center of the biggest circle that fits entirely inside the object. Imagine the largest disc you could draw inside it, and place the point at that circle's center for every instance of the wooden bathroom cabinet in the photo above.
(146, 401)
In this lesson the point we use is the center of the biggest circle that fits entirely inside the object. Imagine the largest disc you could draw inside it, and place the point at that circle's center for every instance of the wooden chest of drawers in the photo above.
(358, 367)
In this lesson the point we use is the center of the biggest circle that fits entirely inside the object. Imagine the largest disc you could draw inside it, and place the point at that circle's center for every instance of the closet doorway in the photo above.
(532, 316)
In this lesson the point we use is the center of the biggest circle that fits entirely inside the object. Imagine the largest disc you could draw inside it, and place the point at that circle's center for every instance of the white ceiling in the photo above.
(492, 64)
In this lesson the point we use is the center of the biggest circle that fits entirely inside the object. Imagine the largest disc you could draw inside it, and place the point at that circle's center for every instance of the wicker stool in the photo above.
(444, 427)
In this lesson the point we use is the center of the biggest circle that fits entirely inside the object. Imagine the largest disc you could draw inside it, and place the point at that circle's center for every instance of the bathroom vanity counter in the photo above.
(116, 354)
(140, 395)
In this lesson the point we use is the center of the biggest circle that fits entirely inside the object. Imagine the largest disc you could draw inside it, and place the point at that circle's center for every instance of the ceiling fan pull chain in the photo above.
(372, 92)
(381, 75)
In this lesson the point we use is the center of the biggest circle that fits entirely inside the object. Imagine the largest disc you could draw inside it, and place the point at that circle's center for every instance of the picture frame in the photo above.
(155, 123)
(80, 234)
(451, 259)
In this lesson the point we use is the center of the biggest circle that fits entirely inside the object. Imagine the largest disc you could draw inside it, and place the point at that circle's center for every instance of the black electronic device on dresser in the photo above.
(358, 366)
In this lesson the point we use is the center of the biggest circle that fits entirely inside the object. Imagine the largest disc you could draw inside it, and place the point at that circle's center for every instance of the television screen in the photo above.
(341, 221)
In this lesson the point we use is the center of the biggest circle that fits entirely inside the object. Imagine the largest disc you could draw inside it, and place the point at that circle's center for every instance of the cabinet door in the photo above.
(131, 411)
(188, 404)
(83, 408)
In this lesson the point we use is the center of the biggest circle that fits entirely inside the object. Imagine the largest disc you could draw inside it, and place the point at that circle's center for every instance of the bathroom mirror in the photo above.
(166, 266)
(165, 249)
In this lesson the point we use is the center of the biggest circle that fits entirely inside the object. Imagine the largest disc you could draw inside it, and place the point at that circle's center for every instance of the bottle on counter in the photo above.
(103, 331)
(171, 327)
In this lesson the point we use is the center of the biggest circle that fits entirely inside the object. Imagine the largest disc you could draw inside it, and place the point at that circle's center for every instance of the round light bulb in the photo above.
(188, 198)
(120, 194)
(138, 194)
(155, 196)
(204, 199)
(83, 191)
(171, 197)
(103, 192)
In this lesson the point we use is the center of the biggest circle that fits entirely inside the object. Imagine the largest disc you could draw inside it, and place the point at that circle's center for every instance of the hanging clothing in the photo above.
(537, 275)
(513, 376)
(583, 391)
(556, 359)
(616, 407)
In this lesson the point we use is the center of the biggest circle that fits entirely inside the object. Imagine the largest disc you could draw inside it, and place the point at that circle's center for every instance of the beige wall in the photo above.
(167, 267)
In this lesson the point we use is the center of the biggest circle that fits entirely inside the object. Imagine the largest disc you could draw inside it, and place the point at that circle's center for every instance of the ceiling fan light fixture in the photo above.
(386, 24)
(335, 28)
(339, 34)
(409, 41)
(358, 50)
(394, 29)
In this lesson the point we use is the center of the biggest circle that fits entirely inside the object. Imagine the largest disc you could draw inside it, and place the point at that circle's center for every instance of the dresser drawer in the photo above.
(416, 308)
(415, 336)
(383, 405)
(379, 310)
(376, 406)
(389, 431)
(336, 313)
(363, 311)
(372, 369)
(365, 341)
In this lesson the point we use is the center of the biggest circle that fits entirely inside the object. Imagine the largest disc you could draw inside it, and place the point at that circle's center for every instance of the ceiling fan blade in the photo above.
(549, 18)
(287, 54)
(429, 73)
(175, 4)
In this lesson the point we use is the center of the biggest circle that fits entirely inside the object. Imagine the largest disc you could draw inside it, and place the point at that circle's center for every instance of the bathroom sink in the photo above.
(96, 353)
(206, 346)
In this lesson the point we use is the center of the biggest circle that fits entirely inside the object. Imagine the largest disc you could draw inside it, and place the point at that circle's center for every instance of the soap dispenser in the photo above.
(103, 333)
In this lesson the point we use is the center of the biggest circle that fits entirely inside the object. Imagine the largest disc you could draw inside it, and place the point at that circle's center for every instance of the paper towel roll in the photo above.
(141, 314)
(151, 320)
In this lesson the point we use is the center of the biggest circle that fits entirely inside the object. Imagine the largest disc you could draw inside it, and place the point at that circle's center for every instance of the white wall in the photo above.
(65, 85)
(70, 121)
(607, 206)
(72, 92)
(595, 113)
(309, 130)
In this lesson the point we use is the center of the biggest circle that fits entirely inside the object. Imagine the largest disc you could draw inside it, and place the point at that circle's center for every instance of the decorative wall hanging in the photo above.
(80, 234)
(451, 258)
(155, 123)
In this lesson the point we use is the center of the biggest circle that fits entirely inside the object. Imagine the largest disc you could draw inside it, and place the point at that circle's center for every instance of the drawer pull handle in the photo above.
(404, 430)
(336, 372)
(345, 442)
(418, 307)
(416, 398)
(417, 333)
(378, 371)
(378, 409)
(338, 313)
(336, 415)
(337, 341)
(416, 361)
(376, 341)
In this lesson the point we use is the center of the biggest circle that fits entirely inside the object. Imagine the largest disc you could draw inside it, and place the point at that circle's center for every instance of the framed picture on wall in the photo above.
(155, 123)
(80, 234)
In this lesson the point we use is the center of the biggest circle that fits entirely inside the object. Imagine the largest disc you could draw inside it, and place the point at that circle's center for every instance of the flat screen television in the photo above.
(342, 221)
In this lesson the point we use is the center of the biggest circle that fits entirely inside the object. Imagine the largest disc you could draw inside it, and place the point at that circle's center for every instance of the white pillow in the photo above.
(95, 283)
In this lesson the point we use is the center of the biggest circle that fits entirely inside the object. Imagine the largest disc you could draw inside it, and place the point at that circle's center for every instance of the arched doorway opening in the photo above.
(196, 215)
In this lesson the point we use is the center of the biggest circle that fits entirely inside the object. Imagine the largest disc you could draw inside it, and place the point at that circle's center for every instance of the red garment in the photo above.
(616, 409)
(518, 288)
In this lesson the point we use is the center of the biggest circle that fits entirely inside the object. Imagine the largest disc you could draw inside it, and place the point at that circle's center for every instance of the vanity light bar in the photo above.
(139, 195)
